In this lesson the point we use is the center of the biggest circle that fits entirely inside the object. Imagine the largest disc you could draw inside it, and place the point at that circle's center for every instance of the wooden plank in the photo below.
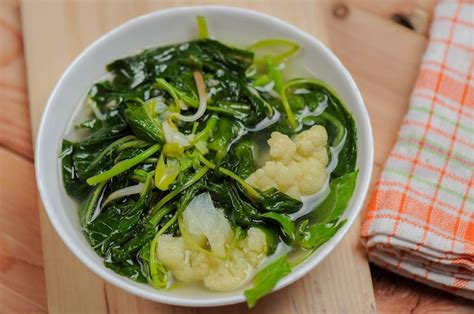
(15, 130)
(416, 12)
(397, 294)
(345, 271)
(21, 261)
(371, 50)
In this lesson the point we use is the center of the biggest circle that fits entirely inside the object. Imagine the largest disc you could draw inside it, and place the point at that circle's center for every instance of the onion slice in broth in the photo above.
(202, 94)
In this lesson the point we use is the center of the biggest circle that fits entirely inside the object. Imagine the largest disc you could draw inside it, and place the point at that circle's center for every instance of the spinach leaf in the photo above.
(317, 234)
(111, 128)
(241, 159)
(90, 204)
(322, 223)
(144, 121)
(92, 124)
(334, 205)
(272, 237)
(127, 250)
(130, 268)
(239, 211)
(231, 89)
(75, 186)
(287, 225)
(91, 161)
(117, 222)
(266, 279)
(276, 201)
(225, 132)
(171, 61)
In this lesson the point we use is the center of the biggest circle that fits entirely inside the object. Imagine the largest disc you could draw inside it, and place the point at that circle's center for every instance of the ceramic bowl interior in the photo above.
(236, 26)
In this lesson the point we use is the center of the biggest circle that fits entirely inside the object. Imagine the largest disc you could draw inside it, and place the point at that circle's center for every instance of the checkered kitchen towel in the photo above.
(420, 221)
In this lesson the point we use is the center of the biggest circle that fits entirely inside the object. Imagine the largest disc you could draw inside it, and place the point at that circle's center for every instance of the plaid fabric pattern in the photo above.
(420, 220)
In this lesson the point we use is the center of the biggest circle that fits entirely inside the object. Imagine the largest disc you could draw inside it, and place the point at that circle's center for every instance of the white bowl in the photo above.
(232, 25)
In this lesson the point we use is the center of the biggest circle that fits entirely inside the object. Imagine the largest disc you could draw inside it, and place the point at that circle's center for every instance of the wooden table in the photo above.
(22, 280)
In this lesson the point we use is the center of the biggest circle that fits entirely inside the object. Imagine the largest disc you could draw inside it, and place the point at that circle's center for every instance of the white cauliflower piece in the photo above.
(296, 167)
(204, 222)
(186, 265)
(281, 147)
(189, 265)
(228, 274)
(254, 246)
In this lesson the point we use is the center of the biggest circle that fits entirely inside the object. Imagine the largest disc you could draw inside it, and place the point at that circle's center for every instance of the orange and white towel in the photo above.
(420, 220)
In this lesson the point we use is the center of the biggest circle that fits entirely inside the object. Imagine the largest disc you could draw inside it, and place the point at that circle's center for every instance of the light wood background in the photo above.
(383, 58)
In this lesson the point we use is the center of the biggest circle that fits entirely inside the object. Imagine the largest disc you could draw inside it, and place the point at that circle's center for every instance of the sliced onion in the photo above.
(160, 107)
(182, 105)
(274, 94)
(281, 66)
(213, 82)
(93, 105)
(174, 136)
(266, 88)
(129, 190)
(301, 91)
(112, 104)
(251, 71)
(201, 88)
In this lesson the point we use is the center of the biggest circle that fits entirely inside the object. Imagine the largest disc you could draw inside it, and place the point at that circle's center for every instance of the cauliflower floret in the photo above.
(228, 274)
(233, 272)
(296, 167)
(204, 222)
(281, 147)
(226, 268)
(186, 265)
(254, 246)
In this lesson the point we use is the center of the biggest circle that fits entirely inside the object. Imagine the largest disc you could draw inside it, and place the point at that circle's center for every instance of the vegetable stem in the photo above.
(204, 134)
(132, 144)
(242, 182)
(268, 43)
(168, 224)
(202, 27)
(123, 165)
(121, 141)
(158, 273)
(253, 193)
(176, 94)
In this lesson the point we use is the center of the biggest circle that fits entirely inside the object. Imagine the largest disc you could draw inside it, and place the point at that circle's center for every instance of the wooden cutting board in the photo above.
(382, 57)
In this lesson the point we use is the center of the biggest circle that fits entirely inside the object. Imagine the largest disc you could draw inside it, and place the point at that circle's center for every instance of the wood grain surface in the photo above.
(355, 37)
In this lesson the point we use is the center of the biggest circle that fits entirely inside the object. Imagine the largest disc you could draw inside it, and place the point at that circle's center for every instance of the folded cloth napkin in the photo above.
(420, 220)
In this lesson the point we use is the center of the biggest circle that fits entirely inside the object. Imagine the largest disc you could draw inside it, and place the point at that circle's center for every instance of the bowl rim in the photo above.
(297, 273)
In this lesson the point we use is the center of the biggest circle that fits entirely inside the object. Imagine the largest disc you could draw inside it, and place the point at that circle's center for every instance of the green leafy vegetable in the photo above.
(276, 201)
(266, 279)
(144, 120)
(317, 234)
(335, 203)
(74, 185)
(123, 165)
(286, 224)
